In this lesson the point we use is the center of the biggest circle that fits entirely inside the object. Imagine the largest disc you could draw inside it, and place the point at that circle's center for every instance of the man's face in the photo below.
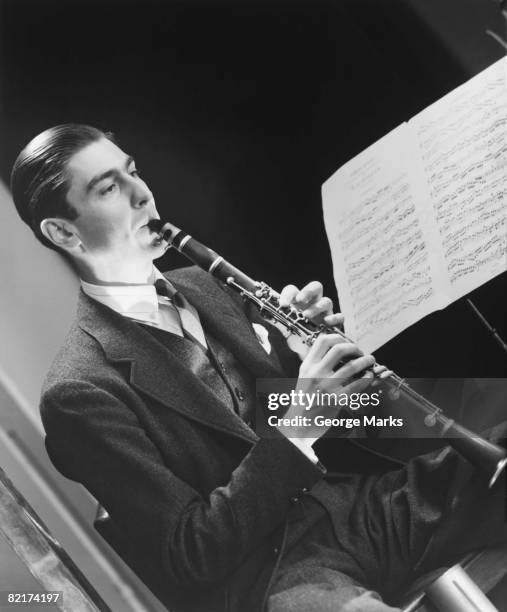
(113, 204)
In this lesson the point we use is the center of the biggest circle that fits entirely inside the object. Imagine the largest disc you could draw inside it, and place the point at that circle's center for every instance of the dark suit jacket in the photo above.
(196, 499)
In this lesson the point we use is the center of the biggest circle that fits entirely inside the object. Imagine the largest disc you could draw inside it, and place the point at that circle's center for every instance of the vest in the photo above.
(231, 382)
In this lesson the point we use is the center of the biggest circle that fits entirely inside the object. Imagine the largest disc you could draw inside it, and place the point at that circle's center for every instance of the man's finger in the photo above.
(322, 345)
(354, 367)
(344, 351)
(316, 312)
(335, 319)
(308, 295)
(360, 384)
(381, 371)
(287, 295)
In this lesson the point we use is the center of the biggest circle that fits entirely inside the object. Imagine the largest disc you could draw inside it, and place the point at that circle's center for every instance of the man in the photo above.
(150, 405)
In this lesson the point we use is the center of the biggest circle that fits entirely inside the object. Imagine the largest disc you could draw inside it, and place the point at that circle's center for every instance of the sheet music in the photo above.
(419, 218)
(380, 237)
(463, 144)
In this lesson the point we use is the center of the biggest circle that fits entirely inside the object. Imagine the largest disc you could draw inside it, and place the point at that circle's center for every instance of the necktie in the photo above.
(188, 317)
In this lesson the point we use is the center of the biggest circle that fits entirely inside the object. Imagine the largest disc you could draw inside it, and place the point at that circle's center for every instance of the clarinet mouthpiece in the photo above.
(155, 225)
(166, 231)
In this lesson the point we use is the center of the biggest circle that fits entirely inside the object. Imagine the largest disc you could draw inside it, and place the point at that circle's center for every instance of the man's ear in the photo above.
(61, 233)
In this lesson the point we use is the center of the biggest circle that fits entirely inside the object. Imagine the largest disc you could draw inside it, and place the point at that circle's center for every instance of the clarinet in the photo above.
(488, 458)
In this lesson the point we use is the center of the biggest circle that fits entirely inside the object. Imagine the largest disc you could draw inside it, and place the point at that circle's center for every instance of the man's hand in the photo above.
(332, 364)
(310, 299)
(319, 309)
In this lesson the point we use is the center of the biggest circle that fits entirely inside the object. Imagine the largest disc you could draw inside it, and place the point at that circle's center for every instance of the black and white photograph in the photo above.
(253, 327)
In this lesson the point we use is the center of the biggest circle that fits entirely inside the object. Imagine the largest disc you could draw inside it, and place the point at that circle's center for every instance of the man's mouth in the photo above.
(147, 224)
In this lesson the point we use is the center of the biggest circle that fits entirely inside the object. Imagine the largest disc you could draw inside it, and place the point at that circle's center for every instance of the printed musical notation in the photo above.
(419, 218)
(463, 144)
(380, 241)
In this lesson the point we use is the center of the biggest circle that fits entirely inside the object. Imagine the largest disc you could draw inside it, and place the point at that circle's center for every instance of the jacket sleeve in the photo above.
(93, 437)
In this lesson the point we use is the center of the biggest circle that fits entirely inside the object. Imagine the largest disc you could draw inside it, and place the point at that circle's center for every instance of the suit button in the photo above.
(304, 491)
(276, 550)
(294, 500)
(239, 394)
(221, 365)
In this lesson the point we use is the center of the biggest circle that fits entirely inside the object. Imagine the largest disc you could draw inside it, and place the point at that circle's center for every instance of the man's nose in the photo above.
(141, 195)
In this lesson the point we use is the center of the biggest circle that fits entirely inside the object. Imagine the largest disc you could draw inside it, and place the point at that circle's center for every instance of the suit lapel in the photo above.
(155, 371)
(225, 319)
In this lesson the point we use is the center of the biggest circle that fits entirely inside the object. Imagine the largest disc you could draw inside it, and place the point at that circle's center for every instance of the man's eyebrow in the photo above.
(107, 174)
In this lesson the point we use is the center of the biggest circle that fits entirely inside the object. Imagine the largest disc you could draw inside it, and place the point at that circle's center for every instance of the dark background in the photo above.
(238, 111)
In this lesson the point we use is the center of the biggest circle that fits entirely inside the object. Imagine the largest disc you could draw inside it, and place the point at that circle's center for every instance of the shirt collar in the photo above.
(136, 301)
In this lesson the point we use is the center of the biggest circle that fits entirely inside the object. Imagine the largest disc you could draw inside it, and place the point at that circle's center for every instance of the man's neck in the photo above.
(118, 275)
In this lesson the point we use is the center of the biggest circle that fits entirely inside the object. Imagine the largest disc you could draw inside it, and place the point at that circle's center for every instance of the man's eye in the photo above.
(135, 172)
(108, 189)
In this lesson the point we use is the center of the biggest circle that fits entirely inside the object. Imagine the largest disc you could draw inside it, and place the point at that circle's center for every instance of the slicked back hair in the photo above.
(39, 178)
